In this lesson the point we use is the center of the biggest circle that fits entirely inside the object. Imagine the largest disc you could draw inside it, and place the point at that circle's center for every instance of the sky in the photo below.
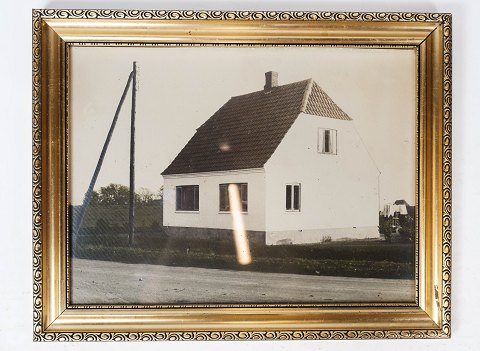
(179, 88)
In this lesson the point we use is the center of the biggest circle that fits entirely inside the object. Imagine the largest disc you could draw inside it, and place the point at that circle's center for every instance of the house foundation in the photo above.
(254, 237)
(312, 236)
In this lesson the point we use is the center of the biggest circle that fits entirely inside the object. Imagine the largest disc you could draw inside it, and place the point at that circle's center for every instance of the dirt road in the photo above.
(100, 282)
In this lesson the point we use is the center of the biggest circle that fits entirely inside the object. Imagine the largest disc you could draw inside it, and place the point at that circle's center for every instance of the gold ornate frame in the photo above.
(55, 30)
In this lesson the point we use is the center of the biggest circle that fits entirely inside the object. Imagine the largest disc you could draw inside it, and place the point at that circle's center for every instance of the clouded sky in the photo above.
(179, 88)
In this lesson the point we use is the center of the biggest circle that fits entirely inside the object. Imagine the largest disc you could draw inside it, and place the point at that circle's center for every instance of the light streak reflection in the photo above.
(242, 246)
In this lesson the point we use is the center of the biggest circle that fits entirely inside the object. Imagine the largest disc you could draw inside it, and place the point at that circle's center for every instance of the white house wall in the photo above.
(339, 193)
(208, 215)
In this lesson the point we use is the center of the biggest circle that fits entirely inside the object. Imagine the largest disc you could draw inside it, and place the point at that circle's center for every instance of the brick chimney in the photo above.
(271, 81)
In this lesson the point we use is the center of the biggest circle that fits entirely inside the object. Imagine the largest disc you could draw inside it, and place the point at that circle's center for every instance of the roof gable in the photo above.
(245, 132)
(320, 104)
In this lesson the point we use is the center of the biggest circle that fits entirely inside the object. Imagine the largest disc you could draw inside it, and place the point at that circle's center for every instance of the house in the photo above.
(397, 211)
(302, 171)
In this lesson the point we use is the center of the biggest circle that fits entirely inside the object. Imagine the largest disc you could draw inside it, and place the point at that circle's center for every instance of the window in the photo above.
(187, 198)
(327, 141)
(225, 199)
(292, 197)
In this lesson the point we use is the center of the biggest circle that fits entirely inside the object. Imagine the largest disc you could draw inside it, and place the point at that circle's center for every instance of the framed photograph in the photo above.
(208, 175)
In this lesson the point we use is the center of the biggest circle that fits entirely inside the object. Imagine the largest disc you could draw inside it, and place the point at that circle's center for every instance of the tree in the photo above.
(407, 227)
(117, 194)
(114, 194)
(95, 198)
(385, 227)
(145, 196)
(159, 194)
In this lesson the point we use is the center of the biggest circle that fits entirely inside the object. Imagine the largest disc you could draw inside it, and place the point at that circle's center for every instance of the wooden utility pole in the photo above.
(86, 200)
(131, 207)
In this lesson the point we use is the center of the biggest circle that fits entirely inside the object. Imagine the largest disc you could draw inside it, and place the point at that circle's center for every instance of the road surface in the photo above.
(101, 282)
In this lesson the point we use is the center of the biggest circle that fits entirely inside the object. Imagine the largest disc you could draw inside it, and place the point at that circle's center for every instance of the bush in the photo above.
(102, 226)
(326, 238)
(155, 225)
(407, 227)
(295, 265)
(385, 227)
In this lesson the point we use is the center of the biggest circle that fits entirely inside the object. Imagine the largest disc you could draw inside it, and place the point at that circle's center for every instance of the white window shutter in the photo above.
(333, 136)
(320, 146)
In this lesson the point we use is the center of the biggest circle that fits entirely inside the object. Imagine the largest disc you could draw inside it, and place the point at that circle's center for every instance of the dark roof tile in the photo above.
(245, 132)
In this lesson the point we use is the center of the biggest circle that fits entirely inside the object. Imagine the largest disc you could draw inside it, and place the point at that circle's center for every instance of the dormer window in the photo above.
(327, 141)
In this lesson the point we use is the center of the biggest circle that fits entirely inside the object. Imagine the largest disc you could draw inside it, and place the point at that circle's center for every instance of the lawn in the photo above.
(356, 258)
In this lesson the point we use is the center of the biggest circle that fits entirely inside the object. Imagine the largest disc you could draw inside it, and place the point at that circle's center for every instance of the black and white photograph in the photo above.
(237, 175)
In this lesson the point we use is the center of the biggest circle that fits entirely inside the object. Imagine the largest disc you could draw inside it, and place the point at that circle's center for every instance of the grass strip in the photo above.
(296, 265)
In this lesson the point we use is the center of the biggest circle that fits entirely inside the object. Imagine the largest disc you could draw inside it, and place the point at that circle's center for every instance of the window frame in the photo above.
(292, 197)
(227, 200)
(333, 136)
(196, 191)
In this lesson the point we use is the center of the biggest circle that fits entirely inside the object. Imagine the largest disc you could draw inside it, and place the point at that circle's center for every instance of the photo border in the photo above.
(55, 30)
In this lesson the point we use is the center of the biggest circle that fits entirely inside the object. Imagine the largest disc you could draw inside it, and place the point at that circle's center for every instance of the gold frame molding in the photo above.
(55, 30)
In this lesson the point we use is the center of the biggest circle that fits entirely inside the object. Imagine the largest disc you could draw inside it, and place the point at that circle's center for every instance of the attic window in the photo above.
(327, 141)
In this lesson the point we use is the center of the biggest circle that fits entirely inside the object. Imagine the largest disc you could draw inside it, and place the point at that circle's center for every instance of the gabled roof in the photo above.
(245, 132)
